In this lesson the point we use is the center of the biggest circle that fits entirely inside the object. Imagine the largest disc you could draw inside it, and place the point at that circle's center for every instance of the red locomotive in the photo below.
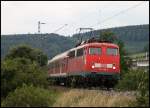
(91, 63)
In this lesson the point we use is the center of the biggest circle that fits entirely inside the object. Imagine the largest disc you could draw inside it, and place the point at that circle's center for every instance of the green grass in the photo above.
(138, 55)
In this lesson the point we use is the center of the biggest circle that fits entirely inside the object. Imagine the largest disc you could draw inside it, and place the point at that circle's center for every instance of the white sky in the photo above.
(21, 17)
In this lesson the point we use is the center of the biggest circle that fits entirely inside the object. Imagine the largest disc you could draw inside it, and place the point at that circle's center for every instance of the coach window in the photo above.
(80, 52)
(51, 65)
(55, 65)
(72, 54)
(94, 51)
(112, 51)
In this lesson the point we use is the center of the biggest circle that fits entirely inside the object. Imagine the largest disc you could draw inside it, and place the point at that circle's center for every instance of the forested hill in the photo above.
(51, 44)
(135, 38)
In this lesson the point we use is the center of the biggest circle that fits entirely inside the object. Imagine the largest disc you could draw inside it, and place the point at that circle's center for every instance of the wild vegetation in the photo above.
(94, 98)
(24, 79)
(24, 74)
(138, 81)
(28, 87)
(30, 96)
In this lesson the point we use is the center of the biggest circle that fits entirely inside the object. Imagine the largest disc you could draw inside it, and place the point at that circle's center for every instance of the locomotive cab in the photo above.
(103, 58)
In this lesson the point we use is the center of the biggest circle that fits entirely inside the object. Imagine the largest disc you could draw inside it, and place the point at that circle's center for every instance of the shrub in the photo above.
(143, 91)
(137, 80)
(29, 96)
(15, 72)
(131, 80)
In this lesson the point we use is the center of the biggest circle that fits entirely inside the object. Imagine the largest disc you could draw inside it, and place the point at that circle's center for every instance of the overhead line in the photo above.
(123, 11)
(60, 28)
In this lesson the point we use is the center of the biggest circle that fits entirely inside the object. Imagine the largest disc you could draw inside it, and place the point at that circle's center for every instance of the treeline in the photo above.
(136, 39)
(50, 44)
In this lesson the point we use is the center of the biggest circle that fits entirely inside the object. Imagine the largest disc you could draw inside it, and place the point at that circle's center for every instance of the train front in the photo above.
(103, 62)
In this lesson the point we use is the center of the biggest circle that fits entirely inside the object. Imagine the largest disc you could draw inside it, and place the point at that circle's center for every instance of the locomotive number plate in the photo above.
(109, 65)
(97, 65)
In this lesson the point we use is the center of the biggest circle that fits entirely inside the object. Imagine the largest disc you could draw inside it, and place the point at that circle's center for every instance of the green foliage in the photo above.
(146, 48)
(137, 80)
(132, 79)
(50, 44)
(143, 88)
(30, 96)
(108, 36)
(15, 72)
(125, 61)
(29, 53)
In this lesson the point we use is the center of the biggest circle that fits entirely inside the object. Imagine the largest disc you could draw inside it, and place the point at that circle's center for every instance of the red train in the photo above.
(95, 63)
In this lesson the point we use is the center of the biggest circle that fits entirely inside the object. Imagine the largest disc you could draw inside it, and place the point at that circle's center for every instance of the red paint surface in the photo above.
(77, 64)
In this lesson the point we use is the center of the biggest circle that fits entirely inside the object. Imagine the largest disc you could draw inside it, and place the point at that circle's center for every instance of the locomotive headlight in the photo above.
(93, 66)
(114, 67)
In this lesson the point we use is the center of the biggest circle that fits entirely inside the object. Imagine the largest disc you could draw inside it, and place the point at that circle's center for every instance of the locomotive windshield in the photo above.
(112, 51)
(96, 51)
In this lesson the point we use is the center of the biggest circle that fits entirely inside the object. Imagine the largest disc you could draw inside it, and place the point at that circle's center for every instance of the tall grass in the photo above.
(94, 98)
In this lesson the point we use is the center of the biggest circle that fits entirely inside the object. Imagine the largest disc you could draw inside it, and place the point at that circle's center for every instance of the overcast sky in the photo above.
(21, 17)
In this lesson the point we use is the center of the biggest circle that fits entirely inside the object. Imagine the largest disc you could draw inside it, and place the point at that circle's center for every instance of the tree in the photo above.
(25, 51)
(146, 48)
(15, 72)
(108, 36)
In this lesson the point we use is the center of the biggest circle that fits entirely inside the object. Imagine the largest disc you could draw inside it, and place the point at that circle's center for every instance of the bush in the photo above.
(131, 80)
(15, 72)
(30, 96)
(137, 80)
(143, 92)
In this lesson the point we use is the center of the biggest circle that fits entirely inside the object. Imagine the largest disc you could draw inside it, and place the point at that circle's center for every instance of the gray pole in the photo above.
(39, 27)
(146, 55)
(39, 23)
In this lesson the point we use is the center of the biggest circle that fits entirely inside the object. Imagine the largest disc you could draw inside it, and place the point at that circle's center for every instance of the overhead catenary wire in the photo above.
(117, 14)
(60, 28)
(107, 19)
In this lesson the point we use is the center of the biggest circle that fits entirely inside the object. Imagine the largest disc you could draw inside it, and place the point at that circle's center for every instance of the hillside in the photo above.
(135, 38)
(51, 44)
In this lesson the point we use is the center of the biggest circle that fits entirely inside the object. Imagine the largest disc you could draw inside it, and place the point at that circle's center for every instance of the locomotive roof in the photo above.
(59, 56)
(65, 54)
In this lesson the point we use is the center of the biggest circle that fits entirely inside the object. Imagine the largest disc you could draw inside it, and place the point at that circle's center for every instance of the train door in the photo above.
(71, 61)
(79, 60)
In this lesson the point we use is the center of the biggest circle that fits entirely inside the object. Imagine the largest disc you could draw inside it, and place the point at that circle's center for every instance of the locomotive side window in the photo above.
(80, 52)
(112, 51)
(96, 51)
(72, 54)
